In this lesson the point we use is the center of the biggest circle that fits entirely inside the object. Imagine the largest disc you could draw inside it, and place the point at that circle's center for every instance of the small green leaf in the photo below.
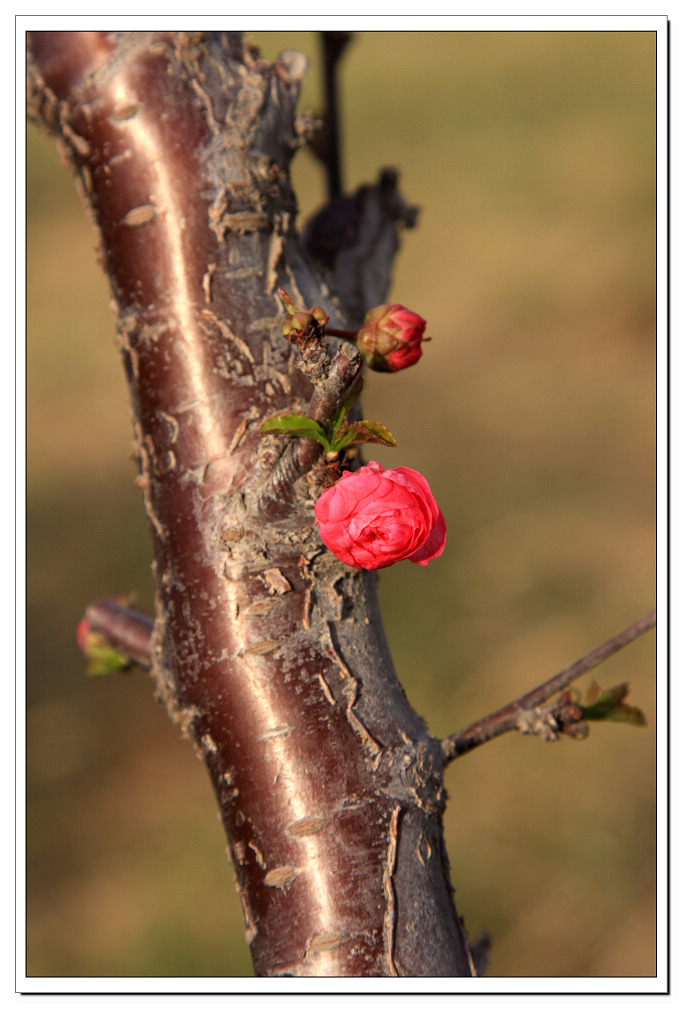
(363, 432)
(103, 660)
(609, 706)
(379, 433)
(296, 426)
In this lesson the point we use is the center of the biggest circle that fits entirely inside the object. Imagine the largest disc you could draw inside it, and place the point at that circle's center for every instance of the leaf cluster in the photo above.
(339, 435)
(608, 706)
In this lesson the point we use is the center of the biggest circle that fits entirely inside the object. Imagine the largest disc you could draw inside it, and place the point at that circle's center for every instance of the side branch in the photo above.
(127, 630)
(514, 715)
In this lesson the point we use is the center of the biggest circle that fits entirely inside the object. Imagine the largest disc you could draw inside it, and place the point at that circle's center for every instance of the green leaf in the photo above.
(363, 432)
(609, 706)
(103, 660)
(296, 426)
(343, 435)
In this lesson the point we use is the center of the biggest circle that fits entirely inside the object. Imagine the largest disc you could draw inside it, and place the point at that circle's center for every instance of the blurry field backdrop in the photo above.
(532, 414)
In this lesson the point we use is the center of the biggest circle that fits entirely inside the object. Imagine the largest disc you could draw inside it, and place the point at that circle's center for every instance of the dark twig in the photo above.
(127, 630)
(515, 715)
(333, 45)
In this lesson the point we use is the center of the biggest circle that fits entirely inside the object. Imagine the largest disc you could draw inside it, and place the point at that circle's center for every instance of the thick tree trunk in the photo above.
(267, 650)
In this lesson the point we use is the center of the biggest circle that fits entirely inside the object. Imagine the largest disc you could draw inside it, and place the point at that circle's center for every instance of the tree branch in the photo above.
(266, 650)
(516, 715)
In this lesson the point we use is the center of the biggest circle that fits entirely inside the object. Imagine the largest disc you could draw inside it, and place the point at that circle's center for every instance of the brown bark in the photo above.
(268, 651)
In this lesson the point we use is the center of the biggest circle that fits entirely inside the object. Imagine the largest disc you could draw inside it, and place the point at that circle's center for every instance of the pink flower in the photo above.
(389, 338)
(375, 517)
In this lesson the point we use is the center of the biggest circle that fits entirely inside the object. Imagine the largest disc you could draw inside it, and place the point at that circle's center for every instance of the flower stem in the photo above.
(338, 332)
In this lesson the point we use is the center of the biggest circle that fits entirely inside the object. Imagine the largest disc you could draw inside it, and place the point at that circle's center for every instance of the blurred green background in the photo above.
(532, 413)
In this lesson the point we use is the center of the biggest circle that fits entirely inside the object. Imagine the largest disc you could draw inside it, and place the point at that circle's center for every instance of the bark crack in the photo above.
(389, 892)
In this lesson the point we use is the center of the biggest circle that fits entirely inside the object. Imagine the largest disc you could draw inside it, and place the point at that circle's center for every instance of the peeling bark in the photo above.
(267, 651)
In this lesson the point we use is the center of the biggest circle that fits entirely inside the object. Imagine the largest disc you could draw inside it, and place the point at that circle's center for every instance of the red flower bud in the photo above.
(375, 517)
(390, 337)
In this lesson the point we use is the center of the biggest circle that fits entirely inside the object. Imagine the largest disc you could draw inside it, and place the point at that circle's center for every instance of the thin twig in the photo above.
(511, 716)
(333, 44)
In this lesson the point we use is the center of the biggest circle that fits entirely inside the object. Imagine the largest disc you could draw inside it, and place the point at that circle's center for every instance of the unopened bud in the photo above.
(390, 337)
(319, 314)
(303, 327)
